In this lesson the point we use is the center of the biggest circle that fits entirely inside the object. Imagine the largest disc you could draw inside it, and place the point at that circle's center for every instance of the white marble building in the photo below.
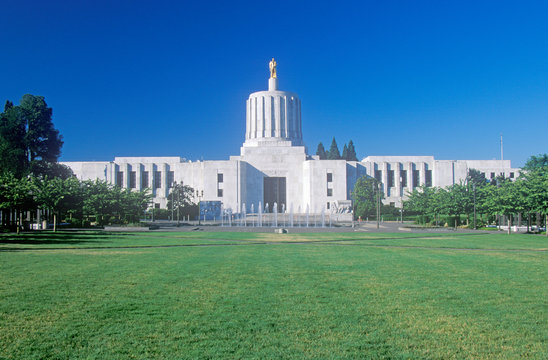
(273, 166)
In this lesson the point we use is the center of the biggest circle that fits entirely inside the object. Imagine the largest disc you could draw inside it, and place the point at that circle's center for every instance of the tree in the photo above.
(321, 152)
(333, 153)
(537, 162)
(364, 196)
(425, 201)
(351, 155)
(535, 182)
(181, 199)
(28, 139)
(15, 194)
(49, 195)
(506, 199)
(476, 177)
(43, 140)
(344, 155)
(12, 141)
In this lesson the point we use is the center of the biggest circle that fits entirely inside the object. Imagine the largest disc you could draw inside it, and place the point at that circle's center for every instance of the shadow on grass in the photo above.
(52, 238)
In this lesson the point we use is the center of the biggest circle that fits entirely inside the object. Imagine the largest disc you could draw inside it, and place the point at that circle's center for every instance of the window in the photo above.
(329, 192)
(220, 192)
(378, 175)
(416, 178)
(156, 205)
(157, 179)
(511, 175)
(329, 177)
(390, 178)
(403, 176)
(328, 205)
(170, 179)
(132, 180)
(219, 178)
(119, 178)
(144, 179)
(428, 178)
(492, 175)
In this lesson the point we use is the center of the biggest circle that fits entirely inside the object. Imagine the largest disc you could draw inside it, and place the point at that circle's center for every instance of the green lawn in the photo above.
(343, 295)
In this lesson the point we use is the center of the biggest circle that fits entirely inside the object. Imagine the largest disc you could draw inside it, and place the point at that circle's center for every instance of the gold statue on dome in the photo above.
(272, 66)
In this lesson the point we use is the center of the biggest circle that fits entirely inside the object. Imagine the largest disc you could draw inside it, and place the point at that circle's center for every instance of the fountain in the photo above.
(260, 219)
(252, 215)
(307, 214)
(222, 216)
(291, 215)
(244, 215)
(283, 215)
(323, 217)
(275, 211)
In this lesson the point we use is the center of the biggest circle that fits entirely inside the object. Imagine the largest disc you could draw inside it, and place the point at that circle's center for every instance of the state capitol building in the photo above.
(274, 168)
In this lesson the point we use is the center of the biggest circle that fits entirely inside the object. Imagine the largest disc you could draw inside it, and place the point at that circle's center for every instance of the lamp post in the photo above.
(172, 188)
(378, 204)
(474, 188)
(199, 207)
(179, 201)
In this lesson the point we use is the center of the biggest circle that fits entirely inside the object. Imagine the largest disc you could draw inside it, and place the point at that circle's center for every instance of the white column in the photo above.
(138, 172)
(397, 175)
(385, 177)
(165, 185)
(410, 176)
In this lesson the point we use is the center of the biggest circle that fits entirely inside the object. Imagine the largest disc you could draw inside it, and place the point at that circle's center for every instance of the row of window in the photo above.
(157, 183)
(390, 182)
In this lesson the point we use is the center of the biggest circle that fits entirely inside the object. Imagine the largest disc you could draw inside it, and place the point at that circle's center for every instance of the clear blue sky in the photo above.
(157, 78)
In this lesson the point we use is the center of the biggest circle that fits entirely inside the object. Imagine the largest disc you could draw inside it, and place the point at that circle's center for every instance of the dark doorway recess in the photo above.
(274, 192)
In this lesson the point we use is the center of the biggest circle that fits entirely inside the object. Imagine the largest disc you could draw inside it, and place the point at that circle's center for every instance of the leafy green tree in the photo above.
(49, 194)
(181, 198)
(351, 155)
(425, 201)
(506, 199)
(537, 162)
(15, 194)
(333, 153)
(535, 183)
(321, 152)
(476, 177)
(364, 196)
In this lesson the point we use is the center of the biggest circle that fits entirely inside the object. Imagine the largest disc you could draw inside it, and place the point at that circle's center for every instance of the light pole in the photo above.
(474, 188)
(378, 204)
(199, 206)
(179, 201)
(172, 188)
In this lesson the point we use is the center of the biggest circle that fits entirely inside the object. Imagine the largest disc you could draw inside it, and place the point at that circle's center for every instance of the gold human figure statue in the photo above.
(272, 66)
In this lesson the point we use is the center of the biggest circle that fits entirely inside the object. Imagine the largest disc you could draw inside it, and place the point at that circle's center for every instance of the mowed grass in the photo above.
(325, 296)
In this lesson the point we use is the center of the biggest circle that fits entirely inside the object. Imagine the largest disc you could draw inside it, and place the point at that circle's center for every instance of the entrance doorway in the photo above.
(274, 192)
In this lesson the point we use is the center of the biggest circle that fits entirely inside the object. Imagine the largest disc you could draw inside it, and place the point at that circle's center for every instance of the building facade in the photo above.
(274, 168)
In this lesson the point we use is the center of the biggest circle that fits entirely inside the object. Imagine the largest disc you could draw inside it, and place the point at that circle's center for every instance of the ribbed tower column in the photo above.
(273, 116)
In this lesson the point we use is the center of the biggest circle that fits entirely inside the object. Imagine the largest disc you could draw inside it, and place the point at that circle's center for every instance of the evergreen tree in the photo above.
(333, 153)
(43, 140)
(345, 153)
(12, 141)
(351, 154)
(321, 152)
(28, 140)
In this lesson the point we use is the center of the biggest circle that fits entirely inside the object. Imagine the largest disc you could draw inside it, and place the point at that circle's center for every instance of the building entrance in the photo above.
(274, 192)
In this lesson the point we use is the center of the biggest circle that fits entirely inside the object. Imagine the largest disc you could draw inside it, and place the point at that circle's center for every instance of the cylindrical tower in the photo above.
(273, 116)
